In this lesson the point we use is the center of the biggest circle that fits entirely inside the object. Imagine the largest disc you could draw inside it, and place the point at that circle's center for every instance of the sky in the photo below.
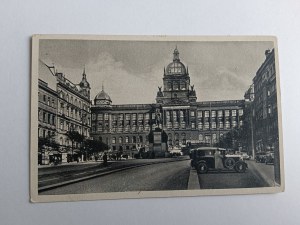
(131, 71)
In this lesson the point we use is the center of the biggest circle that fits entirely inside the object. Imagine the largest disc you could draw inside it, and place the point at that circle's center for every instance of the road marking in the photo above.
(193, 180)
(55, 178)
(80, 173)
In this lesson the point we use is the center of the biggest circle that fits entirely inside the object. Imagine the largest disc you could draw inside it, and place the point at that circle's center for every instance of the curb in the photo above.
(193, 182)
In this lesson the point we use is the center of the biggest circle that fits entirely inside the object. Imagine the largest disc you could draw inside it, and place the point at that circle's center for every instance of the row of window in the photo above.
(47, 117)
(127, 139)
(140, 116)
(50, 101)
(45, 133)
(73, 101)
(176, 85)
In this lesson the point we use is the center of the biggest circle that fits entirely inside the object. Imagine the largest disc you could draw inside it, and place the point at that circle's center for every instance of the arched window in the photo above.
(141, 139)
(113, 141)
(200, 137)
(61, 141)
(134, 139)
(126, 139)
(120, 140)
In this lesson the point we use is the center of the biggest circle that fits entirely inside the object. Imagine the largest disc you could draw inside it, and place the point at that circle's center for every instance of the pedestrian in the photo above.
(105, 159)
(218, 160)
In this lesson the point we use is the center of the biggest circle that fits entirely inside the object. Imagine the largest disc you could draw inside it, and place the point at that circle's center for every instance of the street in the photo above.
(257, 175)
(171, 175)
(147, 175)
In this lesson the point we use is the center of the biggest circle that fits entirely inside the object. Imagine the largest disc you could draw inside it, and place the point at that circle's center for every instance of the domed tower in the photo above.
(84, 85)
(102, 99)
(176, 83)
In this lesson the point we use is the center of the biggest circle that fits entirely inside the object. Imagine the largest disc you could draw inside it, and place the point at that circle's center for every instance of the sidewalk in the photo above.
(266, 172)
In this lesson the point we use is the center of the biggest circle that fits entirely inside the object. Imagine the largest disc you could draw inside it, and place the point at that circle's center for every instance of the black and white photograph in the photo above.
(154, 116)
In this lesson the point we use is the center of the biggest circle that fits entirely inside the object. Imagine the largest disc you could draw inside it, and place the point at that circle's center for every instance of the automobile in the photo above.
(204, 159)
(260, 157)
(245, 156)
(269, 158)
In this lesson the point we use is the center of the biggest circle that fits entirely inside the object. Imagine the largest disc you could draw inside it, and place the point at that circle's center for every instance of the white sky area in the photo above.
(131, 71)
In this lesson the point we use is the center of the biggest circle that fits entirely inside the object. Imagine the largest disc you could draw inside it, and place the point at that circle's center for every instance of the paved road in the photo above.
(257, 175)
(163, 176)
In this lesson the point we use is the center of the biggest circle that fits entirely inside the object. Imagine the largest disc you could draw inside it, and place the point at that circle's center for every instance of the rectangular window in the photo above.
(147, 116)
(221, 125)
(220, 113)
(206, 125)
(44, 117)
(233, 112)
(106, 116)
(206, 114)
(100, 116)
(133, 116)
(61, 124)
(200, 126)
(193, 125)
(193, 113)
(226, 112)
(213, 113)
(213, 125)
(140, 117)
(199, 114)
(49, 118)
(121, 116)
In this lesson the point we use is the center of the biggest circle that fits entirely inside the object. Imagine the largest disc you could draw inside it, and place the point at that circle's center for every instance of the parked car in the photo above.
(260, 157)
(269, 158)
(213, 158)
(245, 156)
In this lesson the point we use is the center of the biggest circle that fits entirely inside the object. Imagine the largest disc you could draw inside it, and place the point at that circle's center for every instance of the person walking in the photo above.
(105, 159)
(218, 160)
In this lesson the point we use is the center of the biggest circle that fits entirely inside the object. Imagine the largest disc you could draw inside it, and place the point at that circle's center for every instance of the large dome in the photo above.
(176, 67)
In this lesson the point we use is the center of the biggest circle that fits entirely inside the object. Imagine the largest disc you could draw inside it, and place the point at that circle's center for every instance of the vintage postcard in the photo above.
(154, 116)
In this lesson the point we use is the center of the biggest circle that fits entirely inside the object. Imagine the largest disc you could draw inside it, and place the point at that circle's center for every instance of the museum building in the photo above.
(126, 127)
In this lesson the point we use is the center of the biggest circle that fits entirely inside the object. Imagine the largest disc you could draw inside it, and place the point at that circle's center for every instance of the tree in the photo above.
(75, 137)
(47, 142)
(234, 138)
(95, 146)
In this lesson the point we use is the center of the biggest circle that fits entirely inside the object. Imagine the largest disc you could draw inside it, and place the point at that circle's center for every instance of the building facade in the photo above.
(265, 105)
(126, 127)
(68, 109)
(47, 118)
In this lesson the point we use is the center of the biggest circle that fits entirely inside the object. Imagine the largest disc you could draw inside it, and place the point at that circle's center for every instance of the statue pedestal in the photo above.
(158, 147)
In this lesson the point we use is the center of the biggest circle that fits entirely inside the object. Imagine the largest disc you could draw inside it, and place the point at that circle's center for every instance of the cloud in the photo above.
(123, 86)
(223, 84)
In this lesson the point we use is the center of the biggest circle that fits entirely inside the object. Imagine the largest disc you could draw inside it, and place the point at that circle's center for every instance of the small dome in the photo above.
(102, 96)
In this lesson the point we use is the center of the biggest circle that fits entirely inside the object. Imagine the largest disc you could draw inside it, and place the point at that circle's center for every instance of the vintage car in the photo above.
(269, 158)
(260, 157)
(204, 159)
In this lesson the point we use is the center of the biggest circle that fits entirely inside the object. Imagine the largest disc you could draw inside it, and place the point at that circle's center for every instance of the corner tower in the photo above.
(176, 83)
